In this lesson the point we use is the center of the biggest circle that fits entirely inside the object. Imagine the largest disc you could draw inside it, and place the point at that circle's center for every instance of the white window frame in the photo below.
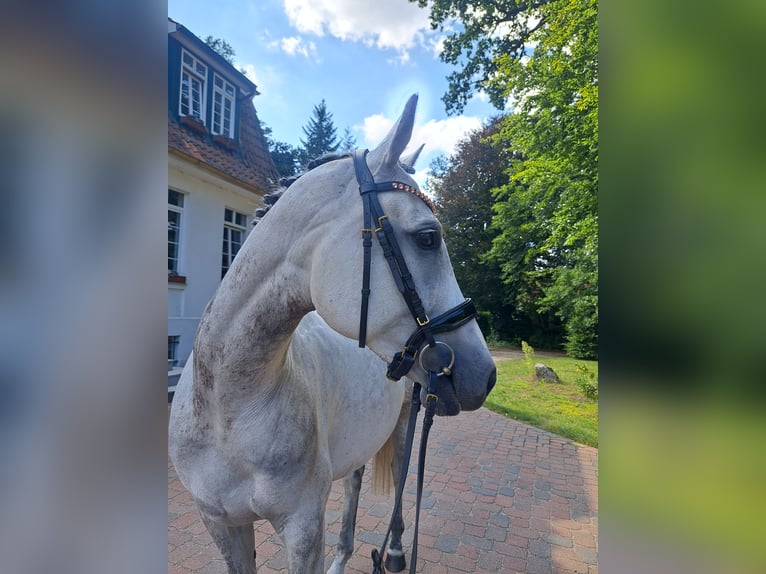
(191, 71)
(223, 95)
(231, 224)
(179, 209)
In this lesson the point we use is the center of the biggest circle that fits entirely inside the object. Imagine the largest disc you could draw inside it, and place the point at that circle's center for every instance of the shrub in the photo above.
(529, 358)
(586, 380)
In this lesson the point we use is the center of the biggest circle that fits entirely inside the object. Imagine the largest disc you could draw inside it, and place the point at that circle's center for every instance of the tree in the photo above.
(495, 29)
(462, 187)
(284, 156)
(544, 55)
(222, 48)
(321, 135)
(348, 143)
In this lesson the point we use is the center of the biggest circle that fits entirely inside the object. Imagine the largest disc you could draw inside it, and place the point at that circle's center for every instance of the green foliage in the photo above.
(488, 32)
(462, 189)
(321, 135)
(543, 57)
(587, 382)
(348, 142)
(284, 156)
(529, 358)
(222, 48)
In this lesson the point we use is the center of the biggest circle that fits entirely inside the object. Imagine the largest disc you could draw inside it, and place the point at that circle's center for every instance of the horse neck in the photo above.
(244, 332)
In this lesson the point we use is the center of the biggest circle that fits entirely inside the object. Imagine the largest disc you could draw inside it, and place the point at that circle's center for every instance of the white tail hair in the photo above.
(382, 481)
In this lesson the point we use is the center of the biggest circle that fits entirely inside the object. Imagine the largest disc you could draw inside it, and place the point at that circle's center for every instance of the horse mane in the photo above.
(285, 182)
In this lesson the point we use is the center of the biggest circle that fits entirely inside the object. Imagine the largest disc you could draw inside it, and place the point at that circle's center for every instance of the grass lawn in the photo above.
(560, 408)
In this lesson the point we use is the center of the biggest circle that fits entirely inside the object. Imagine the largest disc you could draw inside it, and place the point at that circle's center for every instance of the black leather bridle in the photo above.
(377, 222)
(421, 340)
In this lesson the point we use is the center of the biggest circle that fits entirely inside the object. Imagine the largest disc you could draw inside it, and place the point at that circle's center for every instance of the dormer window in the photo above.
(193, 79)
(223, 107)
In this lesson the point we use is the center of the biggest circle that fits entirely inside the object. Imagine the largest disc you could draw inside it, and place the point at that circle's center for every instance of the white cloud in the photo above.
(436, 45)
(439, 136)
(374, 129)
(296, 46)
(442, 136)
(397, 24)
(400, 59)
(249, 71)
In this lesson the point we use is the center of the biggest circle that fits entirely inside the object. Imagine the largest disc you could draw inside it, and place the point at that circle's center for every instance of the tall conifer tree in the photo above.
(321, 135)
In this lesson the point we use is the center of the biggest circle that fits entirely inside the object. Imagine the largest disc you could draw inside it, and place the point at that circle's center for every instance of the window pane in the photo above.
(196, 98)
(173, 346)
(236, 242)
(185, 95)
(175, 198)
(228, 215)
(241, 220)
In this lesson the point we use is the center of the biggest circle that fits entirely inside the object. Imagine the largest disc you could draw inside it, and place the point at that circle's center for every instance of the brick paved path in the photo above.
(499, 496)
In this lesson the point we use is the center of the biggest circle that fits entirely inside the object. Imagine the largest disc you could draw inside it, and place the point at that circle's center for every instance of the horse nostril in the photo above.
(492, 380)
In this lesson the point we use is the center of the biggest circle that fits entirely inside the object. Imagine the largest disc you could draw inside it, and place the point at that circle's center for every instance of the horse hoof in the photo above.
(395, 562)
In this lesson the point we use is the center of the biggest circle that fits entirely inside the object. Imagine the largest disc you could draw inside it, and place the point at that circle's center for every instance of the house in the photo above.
(219, 168)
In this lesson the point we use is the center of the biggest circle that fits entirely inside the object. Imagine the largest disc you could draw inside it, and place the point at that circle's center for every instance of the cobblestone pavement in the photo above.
(499, 496)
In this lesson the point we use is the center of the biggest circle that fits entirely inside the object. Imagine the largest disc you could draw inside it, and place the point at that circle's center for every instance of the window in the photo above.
(175, 209)
(193, 78)
(234, 227)
(223, 107)
(173, 349)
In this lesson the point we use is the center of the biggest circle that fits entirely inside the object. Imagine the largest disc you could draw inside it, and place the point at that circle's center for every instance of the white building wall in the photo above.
(205, 198)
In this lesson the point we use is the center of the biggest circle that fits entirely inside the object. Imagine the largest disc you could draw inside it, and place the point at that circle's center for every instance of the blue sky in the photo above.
(364, 57)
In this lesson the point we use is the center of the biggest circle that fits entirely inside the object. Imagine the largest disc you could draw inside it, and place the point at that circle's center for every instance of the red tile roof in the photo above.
(249, 164)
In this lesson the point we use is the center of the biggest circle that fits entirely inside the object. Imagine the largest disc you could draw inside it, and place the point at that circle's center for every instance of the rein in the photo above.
(417, 345)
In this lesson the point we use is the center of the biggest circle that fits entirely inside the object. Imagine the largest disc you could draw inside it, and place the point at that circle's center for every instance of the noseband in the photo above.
(376, 221)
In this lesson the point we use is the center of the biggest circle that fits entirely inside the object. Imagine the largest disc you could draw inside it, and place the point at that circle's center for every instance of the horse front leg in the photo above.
(303, 536)
(352, 485)
(236, 544)
(395, 560)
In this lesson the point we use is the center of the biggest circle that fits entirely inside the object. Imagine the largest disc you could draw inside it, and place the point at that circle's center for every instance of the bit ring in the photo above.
(445, 370)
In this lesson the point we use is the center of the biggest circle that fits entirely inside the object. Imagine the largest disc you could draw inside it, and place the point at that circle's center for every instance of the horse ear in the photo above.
(397, 139)
(408, 163)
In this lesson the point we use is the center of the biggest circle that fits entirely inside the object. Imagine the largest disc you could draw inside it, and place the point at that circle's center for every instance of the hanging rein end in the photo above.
(377, 562)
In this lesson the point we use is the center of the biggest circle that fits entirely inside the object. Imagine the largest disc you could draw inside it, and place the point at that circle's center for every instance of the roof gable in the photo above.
(245, 160)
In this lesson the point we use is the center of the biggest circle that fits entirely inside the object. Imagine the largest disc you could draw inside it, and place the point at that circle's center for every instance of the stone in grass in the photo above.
(545, 373)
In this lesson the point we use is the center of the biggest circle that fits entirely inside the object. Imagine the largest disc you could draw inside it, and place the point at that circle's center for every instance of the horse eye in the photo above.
(427, 239)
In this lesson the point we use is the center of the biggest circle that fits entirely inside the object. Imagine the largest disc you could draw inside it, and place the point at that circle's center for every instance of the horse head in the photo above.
(416, 318)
